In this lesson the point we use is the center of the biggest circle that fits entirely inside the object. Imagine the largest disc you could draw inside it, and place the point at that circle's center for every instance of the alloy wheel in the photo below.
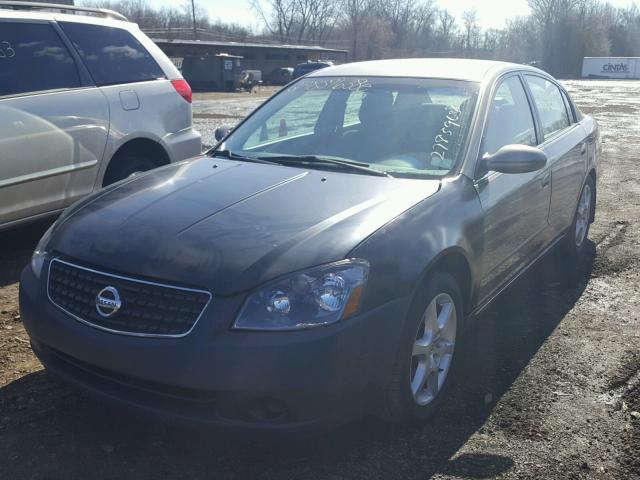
(433, 349)
(582, 216)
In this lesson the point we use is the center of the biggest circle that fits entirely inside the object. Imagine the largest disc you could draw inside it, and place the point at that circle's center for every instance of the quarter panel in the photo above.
(162, 116)
(592, 132)
(161, 110)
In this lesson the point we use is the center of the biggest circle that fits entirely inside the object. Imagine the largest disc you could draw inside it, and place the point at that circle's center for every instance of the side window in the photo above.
(510, 118)
(550, 105)
(296, 118)
(569, 108)
(33, 58)
(112, 55)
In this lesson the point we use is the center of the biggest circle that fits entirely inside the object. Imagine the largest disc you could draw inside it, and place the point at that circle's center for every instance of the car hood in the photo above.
(229, 226)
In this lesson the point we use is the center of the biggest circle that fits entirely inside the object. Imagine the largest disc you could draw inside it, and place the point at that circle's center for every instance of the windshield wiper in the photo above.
(314, 160)
(234, 156)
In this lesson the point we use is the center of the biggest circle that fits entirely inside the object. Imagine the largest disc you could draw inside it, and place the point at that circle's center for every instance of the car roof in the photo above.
(446, 68)
(48, 16)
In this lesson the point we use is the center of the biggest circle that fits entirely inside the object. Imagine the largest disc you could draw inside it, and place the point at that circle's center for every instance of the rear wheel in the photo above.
(576, 238)
(125, 166)
(427, 355)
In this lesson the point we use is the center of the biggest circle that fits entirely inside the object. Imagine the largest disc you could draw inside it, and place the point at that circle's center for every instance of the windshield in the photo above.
(403, 126)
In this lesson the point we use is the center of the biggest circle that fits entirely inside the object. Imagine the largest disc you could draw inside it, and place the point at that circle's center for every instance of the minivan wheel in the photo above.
(427, 352)
(126, 166)
(576, 238)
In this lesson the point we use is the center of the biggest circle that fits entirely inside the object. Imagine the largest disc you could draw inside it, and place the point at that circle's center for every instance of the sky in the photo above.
(491, 13)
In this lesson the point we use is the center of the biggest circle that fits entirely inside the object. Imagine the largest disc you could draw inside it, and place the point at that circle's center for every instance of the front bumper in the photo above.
(257, 380)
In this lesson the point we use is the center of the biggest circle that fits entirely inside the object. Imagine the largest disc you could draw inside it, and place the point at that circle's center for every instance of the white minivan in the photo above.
(86, 99)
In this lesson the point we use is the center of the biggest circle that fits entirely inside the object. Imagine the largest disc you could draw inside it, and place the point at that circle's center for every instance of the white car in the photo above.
(86, 99)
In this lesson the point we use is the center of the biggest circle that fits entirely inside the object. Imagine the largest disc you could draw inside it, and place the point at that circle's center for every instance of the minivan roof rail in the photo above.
(100, 12)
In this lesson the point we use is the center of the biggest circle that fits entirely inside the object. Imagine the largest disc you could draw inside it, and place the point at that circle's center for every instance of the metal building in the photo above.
(255, 56)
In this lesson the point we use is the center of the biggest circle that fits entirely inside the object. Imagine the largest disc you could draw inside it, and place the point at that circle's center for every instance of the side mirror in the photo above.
(515, 159)
(221, 132)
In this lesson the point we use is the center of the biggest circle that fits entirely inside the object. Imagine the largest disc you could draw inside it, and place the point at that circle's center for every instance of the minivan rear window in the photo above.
(112, 55)
(33, 59)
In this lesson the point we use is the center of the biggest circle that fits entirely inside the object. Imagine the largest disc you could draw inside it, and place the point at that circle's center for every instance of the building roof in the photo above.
(213, 43)
(449, 68)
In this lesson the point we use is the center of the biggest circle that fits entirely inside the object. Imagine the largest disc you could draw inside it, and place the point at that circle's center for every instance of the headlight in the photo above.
(312, 298)
(40, 253)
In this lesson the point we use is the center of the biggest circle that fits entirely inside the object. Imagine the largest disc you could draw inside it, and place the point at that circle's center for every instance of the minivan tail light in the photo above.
(183, 89)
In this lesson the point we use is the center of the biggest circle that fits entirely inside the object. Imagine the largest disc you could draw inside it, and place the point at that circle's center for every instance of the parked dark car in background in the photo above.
(280, 76)
(304, 68)
(323, 261)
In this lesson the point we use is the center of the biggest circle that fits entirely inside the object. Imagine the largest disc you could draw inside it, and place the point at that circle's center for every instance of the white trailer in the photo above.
(611, 67)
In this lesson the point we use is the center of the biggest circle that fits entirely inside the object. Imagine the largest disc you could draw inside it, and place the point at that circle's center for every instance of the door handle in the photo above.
(546, 180)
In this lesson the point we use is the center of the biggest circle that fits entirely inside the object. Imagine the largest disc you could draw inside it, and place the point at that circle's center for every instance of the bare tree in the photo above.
(279, 18)
(471, 28)
(323, 19)
(354, 12)
(446, 29)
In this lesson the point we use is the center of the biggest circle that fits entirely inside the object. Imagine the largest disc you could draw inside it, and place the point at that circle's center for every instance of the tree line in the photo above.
(556, 35)
(174, 22)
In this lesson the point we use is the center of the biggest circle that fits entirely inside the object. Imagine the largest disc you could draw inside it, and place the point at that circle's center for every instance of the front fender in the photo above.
(405, 249)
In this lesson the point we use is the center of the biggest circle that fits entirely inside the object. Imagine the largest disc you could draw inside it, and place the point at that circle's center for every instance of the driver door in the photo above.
(515, 206)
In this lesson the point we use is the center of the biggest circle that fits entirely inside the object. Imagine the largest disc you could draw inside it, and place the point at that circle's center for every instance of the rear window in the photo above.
(112, 55)
(33, 58)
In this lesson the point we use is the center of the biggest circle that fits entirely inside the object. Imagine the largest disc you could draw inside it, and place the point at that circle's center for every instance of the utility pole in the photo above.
(193, 14)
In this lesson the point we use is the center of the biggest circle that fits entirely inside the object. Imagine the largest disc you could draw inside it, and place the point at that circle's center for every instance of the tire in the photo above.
(126, 166)
(576, 238)
(406, 402)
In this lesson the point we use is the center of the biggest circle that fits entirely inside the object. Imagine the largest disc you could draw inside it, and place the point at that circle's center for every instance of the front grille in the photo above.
(147, 308)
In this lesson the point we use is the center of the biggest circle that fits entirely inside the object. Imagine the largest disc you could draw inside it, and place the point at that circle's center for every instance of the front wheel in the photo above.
(427, 354)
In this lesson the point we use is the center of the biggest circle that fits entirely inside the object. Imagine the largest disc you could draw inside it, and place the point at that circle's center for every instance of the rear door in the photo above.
(53, 124)
(515, 206)
(563, 140)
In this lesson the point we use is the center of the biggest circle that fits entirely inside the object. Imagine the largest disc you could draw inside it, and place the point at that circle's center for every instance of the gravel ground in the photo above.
(217, 109)
(549, 387)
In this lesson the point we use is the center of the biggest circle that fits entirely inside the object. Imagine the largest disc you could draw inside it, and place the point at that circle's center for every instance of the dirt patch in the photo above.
(624, 394)
(614, 255)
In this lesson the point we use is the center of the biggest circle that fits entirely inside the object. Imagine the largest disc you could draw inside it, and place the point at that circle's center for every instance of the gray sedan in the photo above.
(323, 261)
